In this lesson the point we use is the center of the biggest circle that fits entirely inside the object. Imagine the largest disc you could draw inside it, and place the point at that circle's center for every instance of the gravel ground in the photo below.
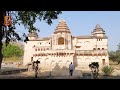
(31, 75)
(46, 75)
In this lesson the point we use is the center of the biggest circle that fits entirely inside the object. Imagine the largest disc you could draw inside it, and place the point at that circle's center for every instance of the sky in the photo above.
(83, 23)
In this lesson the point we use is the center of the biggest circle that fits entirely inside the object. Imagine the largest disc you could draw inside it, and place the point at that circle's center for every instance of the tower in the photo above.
(28, 48)
(98, 31)
(61, 38)
(32, 35)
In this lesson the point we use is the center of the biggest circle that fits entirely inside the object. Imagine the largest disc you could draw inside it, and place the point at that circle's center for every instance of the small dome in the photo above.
(33, 34)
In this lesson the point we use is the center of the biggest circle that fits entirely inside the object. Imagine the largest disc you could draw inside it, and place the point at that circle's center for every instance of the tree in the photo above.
(11, 50)
(115, 55)
(27, 18)
(118, 46)
(112, 55)
(118, 56)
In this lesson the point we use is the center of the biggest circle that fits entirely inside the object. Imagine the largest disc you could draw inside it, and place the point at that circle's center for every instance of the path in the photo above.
(14, 72)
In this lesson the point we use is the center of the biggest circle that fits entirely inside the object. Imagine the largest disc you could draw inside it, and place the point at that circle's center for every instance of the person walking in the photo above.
(36, 68)
(71, 69)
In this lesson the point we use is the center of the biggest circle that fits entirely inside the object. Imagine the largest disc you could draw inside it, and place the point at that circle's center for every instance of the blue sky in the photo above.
(83, 23)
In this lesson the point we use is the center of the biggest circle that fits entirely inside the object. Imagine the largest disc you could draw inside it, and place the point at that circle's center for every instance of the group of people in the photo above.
(35, 67)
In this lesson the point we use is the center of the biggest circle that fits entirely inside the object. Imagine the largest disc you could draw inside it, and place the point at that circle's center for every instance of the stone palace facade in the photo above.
(62, 48)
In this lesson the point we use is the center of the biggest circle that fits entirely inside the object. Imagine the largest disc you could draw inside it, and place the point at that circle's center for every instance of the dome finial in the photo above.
(97, 26)
(62, 20)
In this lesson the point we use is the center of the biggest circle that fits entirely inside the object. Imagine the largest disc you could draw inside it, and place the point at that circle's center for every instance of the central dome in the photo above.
(62, 27)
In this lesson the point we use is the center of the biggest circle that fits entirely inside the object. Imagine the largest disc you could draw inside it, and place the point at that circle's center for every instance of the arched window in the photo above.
(61, 41)
(94, 48)
(98, 48)
(102, 48)
(103, 61)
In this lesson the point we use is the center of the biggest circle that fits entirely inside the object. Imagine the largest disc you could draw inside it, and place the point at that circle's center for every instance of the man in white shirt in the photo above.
(71, 68)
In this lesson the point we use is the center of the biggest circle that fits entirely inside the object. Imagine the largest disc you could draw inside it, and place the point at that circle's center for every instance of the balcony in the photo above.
(91, 52)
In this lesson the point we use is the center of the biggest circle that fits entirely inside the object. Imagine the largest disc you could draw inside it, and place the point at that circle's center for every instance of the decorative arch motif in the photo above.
(87, 59)
(60, 41)
(67, 63)
(41, 62)
(86, 43)
(53, 64)
(46, 58)
(53, 61)
(97, 59)
(39, 44)
(60, 61)
(39, 59)
(79, 61)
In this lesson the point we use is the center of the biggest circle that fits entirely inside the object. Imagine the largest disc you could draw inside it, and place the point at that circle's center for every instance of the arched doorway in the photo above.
(60, 41)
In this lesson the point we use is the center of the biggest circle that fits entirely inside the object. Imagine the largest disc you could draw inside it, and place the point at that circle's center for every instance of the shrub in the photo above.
(107, 70)
(11, 51)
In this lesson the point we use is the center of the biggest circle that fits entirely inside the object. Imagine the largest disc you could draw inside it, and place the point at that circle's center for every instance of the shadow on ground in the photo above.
(12, 70)
(56, 73)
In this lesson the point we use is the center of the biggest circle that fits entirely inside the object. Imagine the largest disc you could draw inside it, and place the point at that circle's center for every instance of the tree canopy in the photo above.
(115, 55)
(11, 50)
(27, 18)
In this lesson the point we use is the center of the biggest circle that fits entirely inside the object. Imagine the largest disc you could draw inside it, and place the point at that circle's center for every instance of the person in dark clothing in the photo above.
(36, 68)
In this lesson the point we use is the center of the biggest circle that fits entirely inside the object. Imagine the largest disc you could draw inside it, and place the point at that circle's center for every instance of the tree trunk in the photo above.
(2, 13)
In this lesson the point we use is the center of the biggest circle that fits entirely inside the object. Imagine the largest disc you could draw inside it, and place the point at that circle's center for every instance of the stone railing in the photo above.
(91, 52)
(72, 52)
(55, 53)
(41, 48)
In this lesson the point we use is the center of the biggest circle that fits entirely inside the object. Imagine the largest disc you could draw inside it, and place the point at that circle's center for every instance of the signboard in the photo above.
(7, 20)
